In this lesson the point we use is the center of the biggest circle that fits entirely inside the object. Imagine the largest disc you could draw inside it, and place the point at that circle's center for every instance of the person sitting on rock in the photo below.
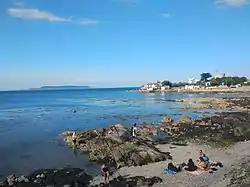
(190, 166)
(202, 164)
(205, 157)
(105, 173)
(133, 131)
(173, 168)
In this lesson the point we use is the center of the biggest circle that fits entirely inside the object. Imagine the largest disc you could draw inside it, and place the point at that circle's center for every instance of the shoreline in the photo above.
(240, 90)
(183, 130)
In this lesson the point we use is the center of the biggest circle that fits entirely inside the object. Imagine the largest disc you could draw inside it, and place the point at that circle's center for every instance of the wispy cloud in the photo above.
(232, 2)
(34, 14)
(87, 21)
(166, 15)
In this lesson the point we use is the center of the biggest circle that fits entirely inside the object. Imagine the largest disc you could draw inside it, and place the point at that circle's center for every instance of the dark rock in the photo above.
(114, 145)
(137, 181)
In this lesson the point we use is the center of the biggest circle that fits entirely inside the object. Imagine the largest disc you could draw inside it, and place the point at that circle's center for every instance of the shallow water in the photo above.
(31, 121)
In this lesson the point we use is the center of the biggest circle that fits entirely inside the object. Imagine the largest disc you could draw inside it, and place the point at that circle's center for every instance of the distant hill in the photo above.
(61, 88)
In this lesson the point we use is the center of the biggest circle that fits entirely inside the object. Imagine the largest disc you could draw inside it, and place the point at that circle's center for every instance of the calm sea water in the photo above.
(31, 123)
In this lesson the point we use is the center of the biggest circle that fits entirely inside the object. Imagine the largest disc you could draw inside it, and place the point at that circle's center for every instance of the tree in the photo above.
(228, 81)
(205, 76)
(166, 83)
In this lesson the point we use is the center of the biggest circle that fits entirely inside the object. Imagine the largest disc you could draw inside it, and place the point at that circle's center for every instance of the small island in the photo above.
(68, 87)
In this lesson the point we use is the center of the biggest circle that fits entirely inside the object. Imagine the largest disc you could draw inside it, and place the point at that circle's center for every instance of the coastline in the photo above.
(240, 90)
(206, 126)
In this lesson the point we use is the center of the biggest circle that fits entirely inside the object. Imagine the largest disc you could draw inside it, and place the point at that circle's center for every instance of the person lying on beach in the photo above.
(105, 173)
(190, 166)
(171, 167)
(202, 164)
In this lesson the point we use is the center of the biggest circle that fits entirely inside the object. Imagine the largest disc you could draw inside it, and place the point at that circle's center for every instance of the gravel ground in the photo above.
(230, 158)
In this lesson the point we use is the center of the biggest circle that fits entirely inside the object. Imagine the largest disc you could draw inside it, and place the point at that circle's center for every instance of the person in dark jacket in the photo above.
(173, 168)
(190, 165)
(105, 173)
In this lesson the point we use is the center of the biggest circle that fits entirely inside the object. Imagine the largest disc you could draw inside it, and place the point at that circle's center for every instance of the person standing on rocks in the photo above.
(133, 131)
(74, 138)
(105, 173)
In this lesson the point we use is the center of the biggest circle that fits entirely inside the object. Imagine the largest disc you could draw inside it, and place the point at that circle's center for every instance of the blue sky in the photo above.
(108, 43)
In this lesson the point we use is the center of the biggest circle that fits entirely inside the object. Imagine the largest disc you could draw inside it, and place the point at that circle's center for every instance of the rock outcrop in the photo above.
(113, 145)
(224, 128)
(50, 177)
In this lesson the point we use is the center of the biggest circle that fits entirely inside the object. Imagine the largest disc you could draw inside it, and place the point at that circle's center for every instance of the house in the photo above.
(151, 86)
(166, 87)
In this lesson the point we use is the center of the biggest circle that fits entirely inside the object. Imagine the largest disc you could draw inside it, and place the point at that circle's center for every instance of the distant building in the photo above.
(166, 87)
(151, 86)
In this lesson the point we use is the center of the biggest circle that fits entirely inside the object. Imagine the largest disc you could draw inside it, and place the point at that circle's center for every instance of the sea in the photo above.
(31, 123)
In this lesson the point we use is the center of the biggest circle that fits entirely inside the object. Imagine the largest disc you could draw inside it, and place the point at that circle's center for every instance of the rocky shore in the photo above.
(242, 103)
(224, 137)
(114, 146)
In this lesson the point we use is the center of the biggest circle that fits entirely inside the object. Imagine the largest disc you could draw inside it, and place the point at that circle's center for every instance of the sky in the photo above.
(110, 43)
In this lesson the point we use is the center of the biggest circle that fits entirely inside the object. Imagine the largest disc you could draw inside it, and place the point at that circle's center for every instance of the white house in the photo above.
(151, 86)
(166, 87)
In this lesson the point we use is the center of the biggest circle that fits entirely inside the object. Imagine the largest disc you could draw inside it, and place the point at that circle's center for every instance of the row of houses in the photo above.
(154, 87)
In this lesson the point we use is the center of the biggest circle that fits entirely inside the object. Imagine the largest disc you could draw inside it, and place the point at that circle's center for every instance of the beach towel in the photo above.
(196, 172)
(169, 171)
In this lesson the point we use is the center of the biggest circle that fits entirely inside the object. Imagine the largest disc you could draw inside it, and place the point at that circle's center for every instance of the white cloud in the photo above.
(232, 2)
(34, 14)
(166, 15)
(87, 21)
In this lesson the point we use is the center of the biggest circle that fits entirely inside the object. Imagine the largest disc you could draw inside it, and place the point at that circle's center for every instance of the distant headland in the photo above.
(68, 87)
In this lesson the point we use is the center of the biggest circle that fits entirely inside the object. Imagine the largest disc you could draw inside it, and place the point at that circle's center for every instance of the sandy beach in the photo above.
(230, 157)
